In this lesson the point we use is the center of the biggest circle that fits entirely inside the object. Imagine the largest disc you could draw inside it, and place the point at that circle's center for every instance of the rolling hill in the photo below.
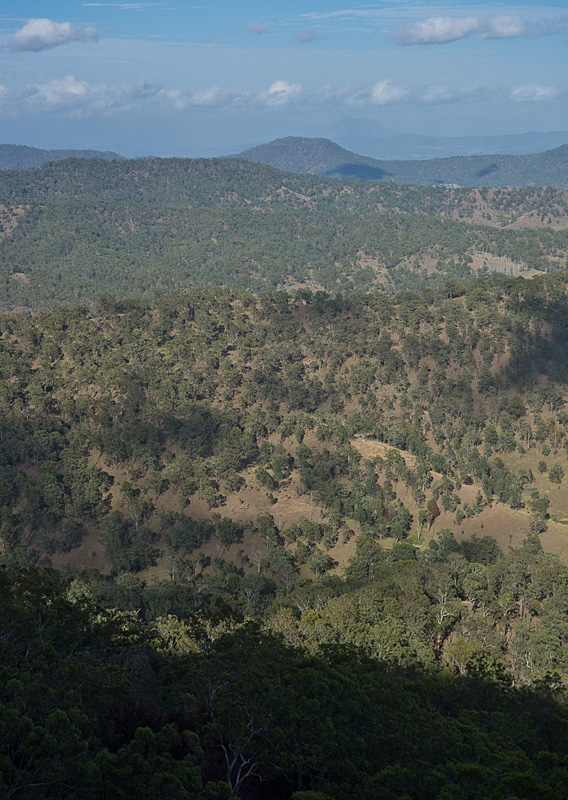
(79, 228)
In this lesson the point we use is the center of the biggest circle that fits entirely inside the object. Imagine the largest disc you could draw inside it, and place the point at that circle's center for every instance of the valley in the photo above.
(283, 474)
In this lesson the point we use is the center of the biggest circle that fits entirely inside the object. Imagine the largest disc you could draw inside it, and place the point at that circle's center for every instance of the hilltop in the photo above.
(316, 157)
(323, 157)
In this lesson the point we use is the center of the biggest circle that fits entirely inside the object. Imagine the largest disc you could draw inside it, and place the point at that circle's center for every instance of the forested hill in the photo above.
(177, 182)
(19, 156)
(323, 157)
(77, 228)
(352, 470)
(316, 157)
(153, 181)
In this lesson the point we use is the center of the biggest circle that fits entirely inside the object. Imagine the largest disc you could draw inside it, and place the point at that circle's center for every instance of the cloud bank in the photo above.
(440, 30)
(80, 99)
(43, 34)
(77, 98)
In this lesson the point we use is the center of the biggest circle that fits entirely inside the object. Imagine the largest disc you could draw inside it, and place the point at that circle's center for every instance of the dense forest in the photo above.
(256, 543)
(99, 704)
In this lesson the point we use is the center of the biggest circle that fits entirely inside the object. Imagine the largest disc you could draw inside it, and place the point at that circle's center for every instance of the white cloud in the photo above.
(258, 28)
(443, 22)
(42, 34)
(440, 30)
(436, 30)
(70, 97)
(215, 96)
(386, 93)
(382, 93)
(77, 98)
(504, 27)
(348, 13)
(441, 94)
(280, 93)
(534, 94)
(65, 92)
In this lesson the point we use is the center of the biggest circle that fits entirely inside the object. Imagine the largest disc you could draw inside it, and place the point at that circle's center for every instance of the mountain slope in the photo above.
(335, 414)
(366, 135)
(322, 157)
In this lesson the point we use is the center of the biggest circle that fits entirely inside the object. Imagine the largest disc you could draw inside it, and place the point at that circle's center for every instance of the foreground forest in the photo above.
(97, 704)
(301, 545)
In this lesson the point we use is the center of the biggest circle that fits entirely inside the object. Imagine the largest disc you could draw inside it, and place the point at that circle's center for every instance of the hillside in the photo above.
(166, 397)
(241, 446)
(76, 229)
(322, 157)
(19, 156)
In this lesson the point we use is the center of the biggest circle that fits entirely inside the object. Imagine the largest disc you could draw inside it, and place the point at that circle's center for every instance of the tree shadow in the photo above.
(364, 172)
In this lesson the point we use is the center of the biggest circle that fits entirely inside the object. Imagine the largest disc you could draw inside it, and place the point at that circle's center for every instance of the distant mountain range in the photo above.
(323, 157)
(363, 135)
(413, 146)
(320, 156)
(19, 156)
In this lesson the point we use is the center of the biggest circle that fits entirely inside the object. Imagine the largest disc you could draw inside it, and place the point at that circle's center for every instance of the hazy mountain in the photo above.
(413, 146)
(323, 157)
(19, 156)
(364, 135)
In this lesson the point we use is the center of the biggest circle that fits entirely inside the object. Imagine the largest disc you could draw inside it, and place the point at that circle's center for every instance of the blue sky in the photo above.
(209, 76)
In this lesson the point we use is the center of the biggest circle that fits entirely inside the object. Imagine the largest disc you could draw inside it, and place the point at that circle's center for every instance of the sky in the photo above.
(209, 77)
